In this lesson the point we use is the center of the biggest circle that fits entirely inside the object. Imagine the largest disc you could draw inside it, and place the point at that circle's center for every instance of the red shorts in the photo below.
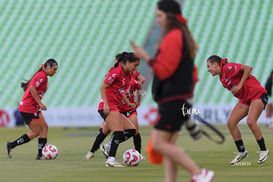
(263, 98)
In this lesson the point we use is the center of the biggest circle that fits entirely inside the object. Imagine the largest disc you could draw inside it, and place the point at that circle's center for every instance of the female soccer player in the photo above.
(172, 88)
(112, 91)
(31, 106)
(129, 117)
(252, 101)
(104, 130)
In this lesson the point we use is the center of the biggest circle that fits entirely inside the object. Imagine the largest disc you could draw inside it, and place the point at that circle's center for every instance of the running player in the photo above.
(252, 101)
(112, 89)
(31, 106)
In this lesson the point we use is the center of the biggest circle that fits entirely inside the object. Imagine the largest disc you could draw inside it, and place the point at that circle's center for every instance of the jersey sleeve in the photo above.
(38, 80)
(111, 77)
(135, 85)
(233, 69)
(169, 56)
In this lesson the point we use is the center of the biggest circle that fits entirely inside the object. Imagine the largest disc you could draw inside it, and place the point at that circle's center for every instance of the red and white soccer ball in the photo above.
(131, 157)
(50, 152)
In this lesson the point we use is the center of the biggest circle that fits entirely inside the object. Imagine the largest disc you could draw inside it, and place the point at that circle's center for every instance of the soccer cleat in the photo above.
(38, 157)
(204, 176)
(113, 163)
(89, 155)
(142, 157)
(239, 156)
(105, 150)
(263, 156)
(9, 149)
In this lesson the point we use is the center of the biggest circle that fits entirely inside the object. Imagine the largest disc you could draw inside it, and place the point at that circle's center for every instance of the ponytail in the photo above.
(50, 62)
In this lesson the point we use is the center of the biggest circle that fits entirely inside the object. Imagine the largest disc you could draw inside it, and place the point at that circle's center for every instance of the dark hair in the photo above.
(171, 7)
(129, 57)
(215, 58)
(119, 58)
(49, 63)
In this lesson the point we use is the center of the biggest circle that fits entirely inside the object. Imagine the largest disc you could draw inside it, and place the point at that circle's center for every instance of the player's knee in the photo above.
(156, 145)
(33, 134)
(251, 124)
(231, 125)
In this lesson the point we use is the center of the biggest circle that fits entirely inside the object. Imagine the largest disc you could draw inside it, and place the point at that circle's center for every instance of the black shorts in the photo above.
(264, 99)
(102, 114)
(172, 115)
(128, 114)
(28, 117)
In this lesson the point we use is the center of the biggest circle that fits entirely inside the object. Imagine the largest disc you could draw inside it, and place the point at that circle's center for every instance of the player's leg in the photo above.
(113, 121)
(164, 133)
(103, 133)
(162, 144)
(239, 112)
(42, 140)
(34, 124)
(129, 131)
(137, 137)
(128, 126)
(255, 110)
(170, 166)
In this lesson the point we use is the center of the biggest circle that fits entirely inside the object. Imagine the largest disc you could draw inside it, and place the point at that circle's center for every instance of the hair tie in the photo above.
(224, 61)
(181, 18)
(42, 67)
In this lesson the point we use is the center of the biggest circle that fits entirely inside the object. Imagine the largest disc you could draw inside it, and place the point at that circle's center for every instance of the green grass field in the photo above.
(73, 143)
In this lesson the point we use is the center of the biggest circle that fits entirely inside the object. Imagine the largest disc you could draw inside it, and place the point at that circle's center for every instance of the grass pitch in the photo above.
(73, 143)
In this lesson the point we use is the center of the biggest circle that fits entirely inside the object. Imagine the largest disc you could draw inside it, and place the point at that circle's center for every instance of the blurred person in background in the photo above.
(31, 105)
(173, 89)
(269, 107)
(19, 120)
(252, 101)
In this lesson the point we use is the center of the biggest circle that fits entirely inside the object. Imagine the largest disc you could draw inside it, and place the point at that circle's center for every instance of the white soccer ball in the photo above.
(50, 152)
(131, 157)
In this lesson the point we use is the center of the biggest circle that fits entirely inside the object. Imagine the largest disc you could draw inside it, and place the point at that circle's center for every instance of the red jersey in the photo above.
(230, 77)
(101, 103)
(169, 55)
(135, 75)
(118, 81)
(28, 104)
(130, 94)
(133, 86)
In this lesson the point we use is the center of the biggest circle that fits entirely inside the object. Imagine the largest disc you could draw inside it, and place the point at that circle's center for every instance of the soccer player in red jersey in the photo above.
(129, 116)
(252, 101)
(31, 106)
(104, 130)
(112, 91)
